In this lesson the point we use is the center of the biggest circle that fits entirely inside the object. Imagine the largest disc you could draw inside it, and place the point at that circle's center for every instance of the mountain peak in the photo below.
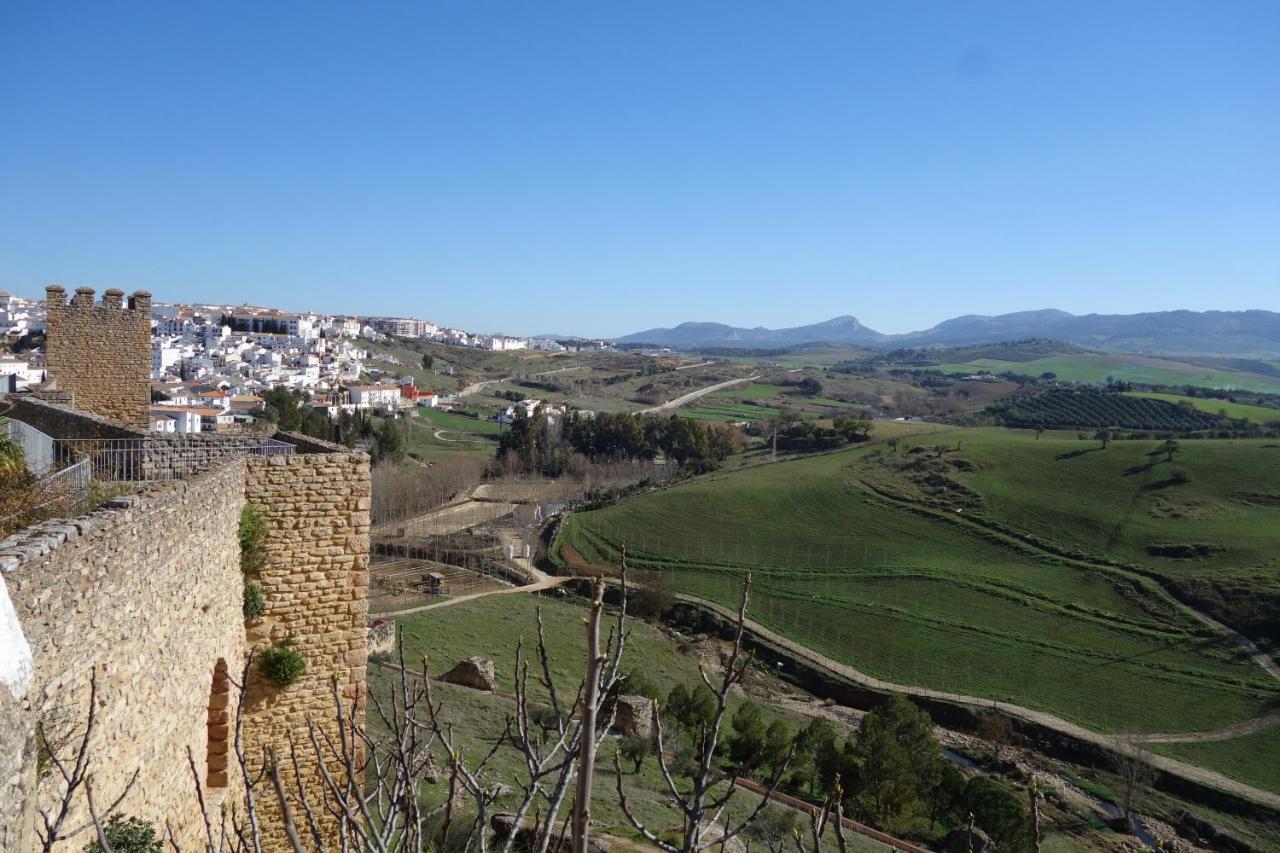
(1252, 333)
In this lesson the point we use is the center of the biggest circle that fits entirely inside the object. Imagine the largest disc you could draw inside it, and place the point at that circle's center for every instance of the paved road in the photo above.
(694, 395)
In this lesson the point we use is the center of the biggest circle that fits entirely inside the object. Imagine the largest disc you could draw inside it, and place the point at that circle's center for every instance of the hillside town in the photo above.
(211, 364)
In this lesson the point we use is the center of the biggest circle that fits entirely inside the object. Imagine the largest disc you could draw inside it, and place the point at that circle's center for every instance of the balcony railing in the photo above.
(137, 459)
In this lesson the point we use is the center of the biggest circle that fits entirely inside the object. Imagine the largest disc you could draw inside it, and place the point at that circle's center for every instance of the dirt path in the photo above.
(1261, 658)
(1169, 765)
(439, 436)
(1248, 727)
(546, 583)
(694, 395)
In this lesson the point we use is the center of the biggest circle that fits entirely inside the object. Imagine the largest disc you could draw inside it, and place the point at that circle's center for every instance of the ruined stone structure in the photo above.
(146, 593)
(101, 353)
(633, 715)
(476, 673)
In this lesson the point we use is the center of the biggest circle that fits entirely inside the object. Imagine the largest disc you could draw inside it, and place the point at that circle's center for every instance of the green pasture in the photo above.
(1095, 368)
(926, 597)
(1253, 759)
(1120, 502)
(457, 434)
(1238, 411)
(462, 423)
(735, 411)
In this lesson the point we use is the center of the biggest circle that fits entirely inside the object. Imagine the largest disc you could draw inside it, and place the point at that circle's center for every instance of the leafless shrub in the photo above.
(703, 804)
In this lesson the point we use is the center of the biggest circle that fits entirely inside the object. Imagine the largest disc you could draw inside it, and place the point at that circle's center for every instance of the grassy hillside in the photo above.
(1239, 411)
(1096, 367)
(1254, 758)
(918, 594)
(491, 628)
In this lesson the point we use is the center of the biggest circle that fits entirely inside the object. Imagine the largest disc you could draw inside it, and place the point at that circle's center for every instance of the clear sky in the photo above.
(602, 167)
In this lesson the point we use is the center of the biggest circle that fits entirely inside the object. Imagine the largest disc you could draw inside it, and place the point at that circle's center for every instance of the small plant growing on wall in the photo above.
(253, 533)
(255, 600)
(282, 663)
(127, 835)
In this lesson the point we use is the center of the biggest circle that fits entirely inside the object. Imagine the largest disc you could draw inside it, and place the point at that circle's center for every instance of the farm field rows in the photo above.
(916, 597)
(1094, 368)
(1241, 411)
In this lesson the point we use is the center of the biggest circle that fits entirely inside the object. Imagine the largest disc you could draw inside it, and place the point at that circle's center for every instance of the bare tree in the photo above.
(367, 797)
(1132, 768)
(703, 805)
(74, 773)
(997, 731)
(1033, 794)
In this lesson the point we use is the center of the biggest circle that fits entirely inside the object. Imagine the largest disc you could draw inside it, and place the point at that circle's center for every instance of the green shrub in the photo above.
(127, 835)
(255, 601)
(282, 663)
(253, 532)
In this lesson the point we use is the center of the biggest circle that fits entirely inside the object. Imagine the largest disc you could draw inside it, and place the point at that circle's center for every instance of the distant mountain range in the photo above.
(1253, 334)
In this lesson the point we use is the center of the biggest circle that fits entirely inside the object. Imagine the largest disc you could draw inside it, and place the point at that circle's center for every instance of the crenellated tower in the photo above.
(100, 352)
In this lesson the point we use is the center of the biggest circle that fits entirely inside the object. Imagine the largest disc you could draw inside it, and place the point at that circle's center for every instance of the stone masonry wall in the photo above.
(101, 353)
(145, 592)
(146, 455)
(316, 582)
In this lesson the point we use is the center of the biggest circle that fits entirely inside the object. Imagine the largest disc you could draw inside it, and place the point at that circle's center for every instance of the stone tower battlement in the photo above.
(100, 352)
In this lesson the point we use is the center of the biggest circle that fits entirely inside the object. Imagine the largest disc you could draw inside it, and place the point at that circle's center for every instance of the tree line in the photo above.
(545, 444)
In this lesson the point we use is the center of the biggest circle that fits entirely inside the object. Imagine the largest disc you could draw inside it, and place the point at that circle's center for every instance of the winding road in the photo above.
(694, 395)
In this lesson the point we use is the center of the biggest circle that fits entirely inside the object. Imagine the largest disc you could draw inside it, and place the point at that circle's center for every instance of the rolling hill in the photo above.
(1037, 571)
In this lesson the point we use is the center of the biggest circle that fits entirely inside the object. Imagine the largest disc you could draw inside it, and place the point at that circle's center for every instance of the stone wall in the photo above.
(60, 420)
(137, 454)
(101, 353)
(316, 582)
(146, 593)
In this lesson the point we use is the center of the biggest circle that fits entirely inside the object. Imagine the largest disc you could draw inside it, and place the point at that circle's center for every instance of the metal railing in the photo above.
(37, 448)
(148, 459)
(57, 489)
(134, 459)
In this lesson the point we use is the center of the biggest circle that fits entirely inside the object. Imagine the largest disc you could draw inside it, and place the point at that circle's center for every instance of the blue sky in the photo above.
(603, 167)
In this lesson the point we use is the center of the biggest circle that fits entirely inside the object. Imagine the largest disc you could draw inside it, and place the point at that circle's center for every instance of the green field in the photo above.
(1238, 411)
(921, 595)
(491, 627)
(1094, 368)
(751, 391)
(437, 435)
(1253, 759)
(733, 412)
(462, 423)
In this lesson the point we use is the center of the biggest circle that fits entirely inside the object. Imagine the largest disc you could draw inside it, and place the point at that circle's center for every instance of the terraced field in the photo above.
(849, 560)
